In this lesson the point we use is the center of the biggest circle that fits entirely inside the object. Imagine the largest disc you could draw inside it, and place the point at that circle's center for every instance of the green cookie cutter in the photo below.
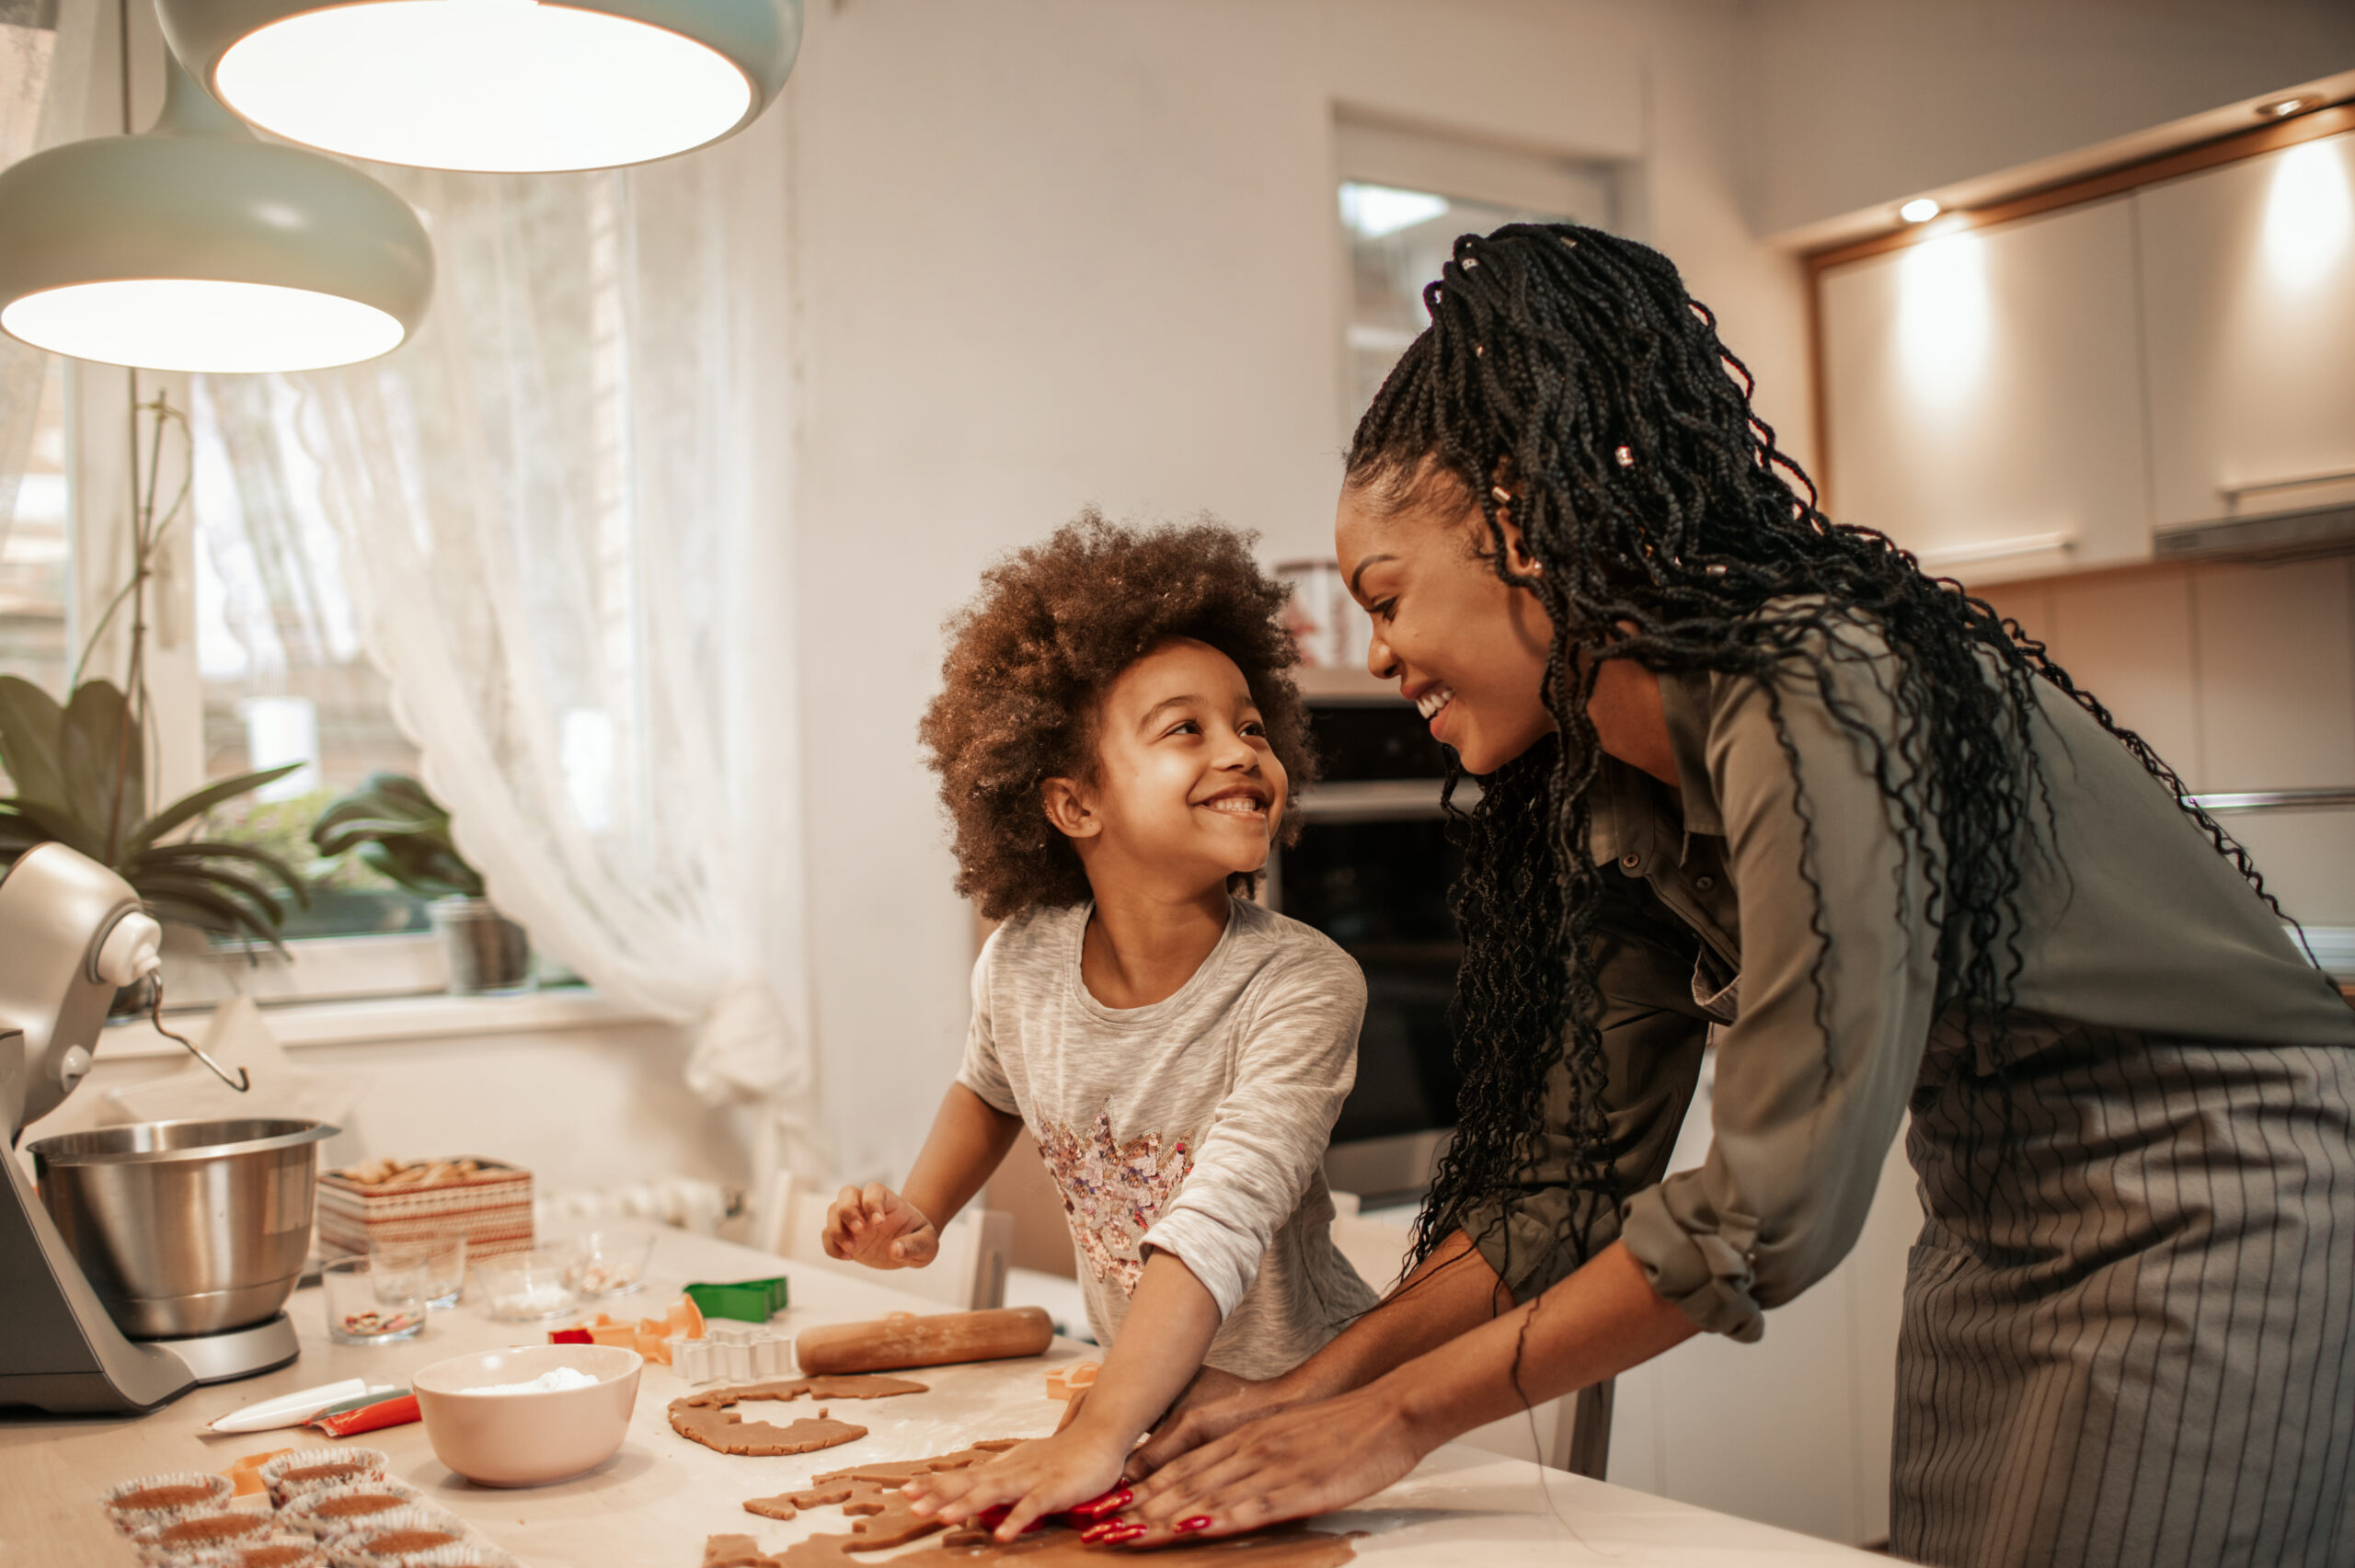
(747, 1300)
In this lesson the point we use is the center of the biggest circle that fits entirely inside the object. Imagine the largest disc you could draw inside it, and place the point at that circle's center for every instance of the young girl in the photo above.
(1117, 741)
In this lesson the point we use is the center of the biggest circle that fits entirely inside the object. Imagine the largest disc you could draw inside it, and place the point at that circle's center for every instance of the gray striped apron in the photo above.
(2129, 1320)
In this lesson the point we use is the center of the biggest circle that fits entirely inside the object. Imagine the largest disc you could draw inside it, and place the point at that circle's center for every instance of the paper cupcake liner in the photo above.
(286, 1479)
(277, 1550)
(193, 1534)
(209, 1495)
(474, 1552)
(383, 1545)
(317, 1513)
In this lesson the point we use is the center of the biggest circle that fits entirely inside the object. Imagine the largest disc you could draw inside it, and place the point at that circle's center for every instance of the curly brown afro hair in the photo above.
(1029, 657)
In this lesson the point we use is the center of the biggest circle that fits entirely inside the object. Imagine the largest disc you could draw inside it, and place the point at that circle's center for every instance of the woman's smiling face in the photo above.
(1465, 648)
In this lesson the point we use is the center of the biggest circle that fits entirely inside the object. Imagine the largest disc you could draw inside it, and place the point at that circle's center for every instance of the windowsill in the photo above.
(374, 1021)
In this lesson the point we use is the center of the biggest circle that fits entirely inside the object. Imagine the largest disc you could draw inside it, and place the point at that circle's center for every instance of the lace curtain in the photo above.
(44, 82)
(561, 511)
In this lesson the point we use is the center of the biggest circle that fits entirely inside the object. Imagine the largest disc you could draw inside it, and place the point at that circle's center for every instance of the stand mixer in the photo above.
(85, 1327)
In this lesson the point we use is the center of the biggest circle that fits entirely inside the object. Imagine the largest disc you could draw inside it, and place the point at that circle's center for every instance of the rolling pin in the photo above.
(904, 1339)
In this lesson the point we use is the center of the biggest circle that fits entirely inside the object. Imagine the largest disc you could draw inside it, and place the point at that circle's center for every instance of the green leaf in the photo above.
(31, 730)
(395, 828)
(209, 911)
(104, 767)
(194, 856)
(408, 866)
(217, 879)
(56, 822)
(338, 829)
(190, 806)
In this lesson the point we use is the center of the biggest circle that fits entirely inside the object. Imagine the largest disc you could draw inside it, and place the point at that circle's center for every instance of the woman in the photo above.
(1746, 767)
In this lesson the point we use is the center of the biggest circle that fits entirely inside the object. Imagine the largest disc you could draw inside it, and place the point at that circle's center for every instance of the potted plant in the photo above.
(80, 778)
(78, 769)
(402, 833)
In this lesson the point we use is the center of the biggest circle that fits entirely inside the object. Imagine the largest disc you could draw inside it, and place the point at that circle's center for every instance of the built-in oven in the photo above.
(1372, 871)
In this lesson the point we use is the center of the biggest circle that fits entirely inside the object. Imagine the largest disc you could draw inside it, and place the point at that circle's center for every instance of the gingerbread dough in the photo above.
(708, 1418)
(870, 1497)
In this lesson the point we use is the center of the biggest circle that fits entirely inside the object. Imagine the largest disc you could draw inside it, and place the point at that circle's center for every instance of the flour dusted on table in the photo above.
(1196, 1126)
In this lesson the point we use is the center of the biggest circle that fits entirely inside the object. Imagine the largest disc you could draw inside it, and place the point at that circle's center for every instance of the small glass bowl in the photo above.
(609, 1263)
(523, 1287)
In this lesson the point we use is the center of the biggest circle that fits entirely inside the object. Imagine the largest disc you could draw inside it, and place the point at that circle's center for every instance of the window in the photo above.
(277, 654)
(1404, 197)
(36, 561)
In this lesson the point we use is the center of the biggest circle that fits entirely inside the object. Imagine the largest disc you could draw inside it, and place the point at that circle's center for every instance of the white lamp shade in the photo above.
(495, 85)
(196, 248)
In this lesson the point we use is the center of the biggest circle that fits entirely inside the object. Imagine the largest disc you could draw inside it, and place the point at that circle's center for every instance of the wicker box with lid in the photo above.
(491, 1207)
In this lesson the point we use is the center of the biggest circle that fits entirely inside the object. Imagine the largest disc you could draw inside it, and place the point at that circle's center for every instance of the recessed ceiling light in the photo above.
(1921, 209)
(2282, 109)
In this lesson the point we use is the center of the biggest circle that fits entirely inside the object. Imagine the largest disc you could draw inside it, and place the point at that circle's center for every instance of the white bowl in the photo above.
(527, 1439)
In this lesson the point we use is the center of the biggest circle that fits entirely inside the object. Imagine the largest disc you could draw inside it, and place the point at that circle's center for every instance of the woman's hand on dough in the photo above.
(1306, 1460)
(1213, 1404)
(1052, 1475)
(875, 1226)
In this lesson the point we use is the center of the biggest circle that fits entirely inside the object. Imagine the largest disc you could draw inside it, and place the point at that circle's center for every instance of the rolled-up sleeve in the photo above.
(1294, 1065)
(1653, 1035)
(1812, 1079)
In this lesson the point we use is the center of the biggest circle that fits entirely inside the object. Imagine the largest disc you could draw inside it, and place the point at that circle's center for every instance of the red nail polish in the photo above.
(1199, 1522)
(1094, 1533)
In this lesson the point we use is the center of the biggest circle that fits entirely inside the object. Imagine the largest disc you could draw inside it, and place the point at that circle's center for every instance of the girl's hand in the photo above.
(1052, 1475)
(1213, 1404)
(876, 1227)
(1299, 1462)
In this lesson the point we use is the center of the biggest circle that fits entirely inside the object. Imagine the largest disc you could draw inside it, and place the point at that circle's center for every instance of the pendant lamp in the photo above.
(196, 247)
(509, 87)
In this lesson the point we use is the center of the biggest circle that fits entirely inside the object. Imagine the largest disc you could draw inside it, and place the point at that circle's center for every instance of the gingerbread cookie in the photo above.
(870, 1497)
(710, 1419)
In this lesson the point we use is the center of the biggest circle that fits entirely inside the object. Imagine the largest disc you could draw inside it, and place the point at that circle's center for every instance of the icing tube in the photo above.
(398, 1410)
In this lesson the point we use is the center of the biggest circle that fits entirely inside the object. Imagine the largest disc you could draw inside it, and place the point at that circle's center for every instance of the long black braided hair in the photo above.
(1568, 379)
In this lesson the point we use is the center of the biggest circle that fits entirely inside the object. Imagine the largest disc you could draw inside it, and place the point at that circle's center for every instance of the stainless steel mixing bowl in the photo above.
(186, 1228)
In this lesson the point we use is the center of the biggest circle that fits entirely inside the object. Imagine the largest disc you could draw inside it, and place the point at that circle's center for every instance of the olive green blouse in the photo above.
(2137, 924)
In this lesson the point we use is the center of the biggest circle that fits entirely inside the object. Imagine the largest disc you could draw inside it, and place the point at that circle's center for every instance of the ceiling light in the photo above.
(195, 246)
(1921, 209)
(2282, 109)
(500, 85)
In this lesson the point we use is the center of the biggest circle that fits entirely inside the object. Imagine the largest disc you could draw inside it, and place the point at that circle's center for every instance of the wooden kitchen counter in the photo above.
(653, 1502)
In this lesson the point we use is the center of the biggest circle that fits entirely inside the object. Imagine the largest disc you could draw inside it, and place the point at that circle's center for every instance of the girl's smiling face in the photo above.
(1187, 791)
(1465, 648)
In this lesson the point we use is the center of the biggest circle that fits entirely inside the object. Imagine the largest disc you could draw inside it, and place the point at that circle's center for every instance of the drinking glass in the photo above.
(373, 1301)
(443, 1258)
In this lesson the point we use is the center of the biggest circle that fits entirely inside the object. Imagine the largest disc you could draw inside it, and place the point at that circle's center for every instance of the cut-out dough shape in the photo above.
(882, 1517)
(709, 1417)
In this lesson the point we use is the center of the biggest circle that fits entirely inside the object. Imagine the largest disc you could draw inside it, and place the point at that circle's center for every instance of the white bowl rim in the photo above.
(552, 1354)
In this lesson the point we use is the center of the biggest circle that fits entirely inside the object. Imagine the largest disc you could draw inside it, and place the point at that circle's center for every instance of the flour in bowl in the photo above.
(555, 1381)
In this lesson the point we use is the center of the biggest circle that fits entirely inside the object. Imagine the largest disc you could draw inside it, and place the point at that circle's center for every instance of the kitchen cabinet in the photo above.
(2036, 397)
(1983, 394)
(2248, 317)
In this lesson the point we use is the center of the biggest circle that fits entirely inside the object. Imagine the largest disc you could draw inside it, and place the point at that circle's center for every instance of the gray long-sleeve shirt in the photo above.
(1196, 1125)
(2138, 925)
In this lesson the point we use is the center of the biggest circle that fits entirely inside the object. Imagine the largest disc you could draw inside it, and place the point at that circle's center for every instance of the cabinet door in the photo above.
(2248, 308)
(1982, 391)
